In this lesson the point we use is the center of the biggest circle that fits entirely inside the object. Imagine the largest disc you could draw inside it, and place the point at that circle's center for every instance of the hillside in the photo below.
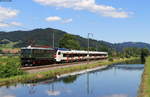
(120, 46)
(45, 36)
(37, 36)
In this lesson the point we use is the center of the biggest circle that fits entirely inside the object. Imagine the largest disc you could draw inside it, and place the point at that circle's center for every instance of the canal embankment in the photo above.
(145, 84)
(59, 72)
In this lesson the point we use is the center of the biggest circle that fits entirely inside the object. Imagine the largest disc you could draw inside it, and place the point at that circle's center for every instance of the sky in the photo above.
(114, 21)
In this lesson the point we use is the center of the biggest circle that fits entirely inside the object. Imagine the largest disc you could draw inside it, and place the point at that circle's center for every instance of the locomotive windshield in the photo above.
(25, 52)
(37, 52)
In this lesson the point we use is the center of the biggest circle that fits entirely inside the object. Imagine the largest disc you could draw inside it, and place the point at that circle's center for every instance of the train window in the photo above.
(64, 55)
(59, 53)
(26, 51)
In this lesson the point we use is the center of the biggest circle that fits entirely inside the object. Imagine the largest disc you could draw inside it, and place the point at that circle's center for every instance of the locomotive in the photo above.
(45, 55)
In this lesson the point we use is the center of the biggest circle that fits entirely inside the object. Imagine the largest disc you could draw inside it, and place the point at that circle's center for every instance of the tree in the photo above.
(144, 53)
(69, 41)
(103, 48)
(1, 51)
(131, 52)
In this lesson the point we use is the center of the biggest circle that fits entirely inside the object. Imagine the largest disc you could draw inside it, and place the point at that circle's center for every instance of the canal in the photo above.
(120, 80)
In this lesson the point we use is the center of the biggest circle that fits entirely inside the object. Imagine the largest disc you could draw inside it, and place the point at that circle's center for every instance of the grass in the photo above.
(6, 59)
(145, 84)
(52, 74)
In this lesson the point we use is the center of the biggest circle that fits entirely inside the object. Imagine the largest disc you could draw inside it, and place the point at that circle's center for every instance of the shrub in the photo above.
(110, 59)
(10, 67)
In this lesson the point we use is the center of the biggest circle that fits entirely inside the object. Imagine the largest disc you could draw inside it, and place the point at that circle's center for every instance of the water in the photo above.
(115, 81)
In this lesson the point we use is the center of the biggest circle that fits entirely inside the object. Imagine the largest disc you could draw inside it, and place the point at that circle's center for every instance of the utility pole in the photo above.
(88, 86)
(89, 44)
(96, 46)
(53, 40)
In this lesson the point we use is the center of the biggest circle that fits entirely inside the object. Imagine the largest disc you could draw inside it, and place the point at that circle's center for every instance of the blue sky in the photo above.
(109, 20)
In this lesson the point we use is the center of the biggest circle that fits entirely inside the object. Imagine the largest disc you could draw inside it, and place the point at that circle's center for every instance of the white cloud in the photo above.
(3, 24)
(57, 18)
(67, 20)
(88, 5)
(53, 18)
(7, 13)
(16, 24)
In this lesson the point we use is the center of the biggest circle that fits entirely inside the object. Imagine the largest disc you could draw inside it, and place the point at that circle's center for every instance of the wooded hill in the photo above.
(45, 37)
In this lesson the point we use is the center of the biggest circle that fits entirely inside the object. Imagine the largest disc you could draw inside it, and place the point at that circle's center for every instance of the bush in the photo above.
(10, 67)
(110, 59)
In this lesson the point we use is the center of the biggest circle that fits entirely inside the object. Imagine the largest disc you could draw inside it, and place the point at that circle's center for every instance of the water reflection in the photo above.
(53, 93)
(32, 89)
(69, 79)
(117, 95)
(5, 94)
(114, 81)
(130, 67)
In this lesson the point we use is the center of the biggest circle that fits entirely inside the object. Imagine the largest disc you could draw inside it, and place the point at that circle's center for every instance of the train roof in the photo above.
(38, 47)
(64, 50)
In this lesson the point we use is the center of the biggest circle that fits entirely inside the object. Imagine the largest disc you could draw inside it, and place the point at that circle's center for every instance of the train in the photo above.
(31, 56)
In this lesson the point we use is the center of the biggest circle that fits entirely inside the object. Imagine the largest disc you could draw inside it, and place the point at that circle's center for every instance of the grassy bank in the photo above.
(145, 84)
(53, 73)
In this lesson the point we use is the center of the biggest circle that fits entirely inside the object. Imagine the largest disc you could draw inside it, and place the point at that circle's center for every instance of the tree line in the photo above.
(70, 42)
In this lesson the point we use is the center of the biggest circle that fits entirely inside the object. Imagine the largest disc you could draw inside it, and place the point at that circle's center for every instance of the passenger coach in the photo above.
(76, 55)
(45, 55)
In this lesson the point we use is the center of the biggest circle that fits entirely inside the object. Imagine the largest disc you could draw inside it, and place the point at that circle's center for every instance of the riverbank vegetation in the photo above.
(10, 66)
(145, 84)
(53, 73)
